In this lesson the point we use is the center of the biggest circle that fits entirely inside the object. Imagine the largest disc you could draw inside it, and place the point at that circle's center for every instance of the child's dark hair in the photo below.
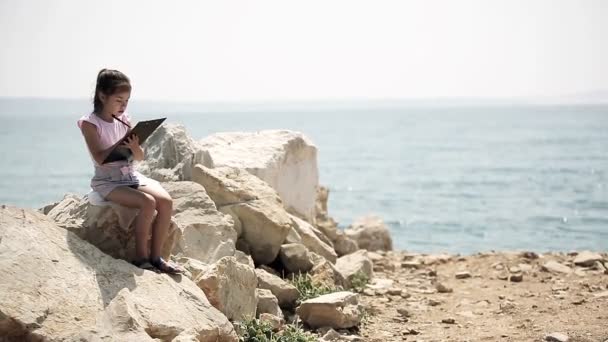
(109, 82)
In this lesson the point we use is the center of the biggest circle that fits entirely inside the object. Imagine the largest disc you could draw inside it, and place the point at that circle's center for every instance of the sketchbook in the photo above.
(143, 130)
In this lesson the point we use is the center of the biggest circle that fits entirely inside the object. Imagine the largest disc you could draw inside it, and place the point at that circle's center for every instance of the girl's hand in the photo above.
(132, 143)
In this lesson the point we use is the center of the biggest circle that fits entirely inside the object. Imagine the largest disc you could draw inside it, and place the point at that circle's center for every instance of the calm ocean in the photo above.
(462, 179)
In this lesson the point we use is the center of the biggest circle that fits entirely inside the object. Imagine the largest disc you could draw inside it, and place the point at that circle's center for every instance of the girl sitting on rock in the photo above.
(117, 181)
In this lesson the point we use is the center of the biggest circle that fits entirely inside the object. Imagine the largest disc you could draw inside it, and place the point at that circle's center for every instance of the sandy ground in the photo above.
(497, 297)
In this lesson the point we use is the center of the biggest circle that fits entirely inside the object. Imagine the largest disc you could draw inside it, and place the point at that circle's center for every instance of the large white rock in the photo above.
(206, 233)
(370, 233)
(286, 160)
(230, 287)
(338, 310)
(263, 220)
(171, 154)
(58, 287)
(110, 228)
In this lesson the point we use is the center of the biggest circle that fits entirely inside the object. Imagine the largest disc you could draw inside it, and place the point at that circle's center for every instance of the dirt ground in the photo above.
(497, 297)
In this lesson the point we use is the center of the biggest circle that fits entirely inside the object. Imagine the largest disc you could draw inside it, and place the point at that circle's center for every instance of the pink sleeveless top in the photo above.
(107, 132)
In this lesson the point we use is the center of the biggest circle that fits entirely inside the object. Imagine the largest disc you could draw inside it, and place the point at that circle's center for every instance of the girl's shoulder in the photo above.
(91, 118)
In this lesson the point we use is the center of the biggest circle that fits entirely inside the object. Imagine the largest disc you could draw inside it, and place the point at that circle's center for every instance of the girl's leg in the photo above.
(164, 208)
(146, 204)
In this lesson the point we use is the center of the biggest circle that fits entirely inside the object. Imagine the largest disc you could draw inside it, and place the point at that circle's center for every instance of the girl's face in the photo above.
(115, 104)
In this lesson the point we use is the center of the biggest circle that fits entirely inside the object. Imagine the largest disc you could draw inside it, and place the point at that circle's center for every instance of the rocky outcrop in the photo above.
(370, 233)
(230, 286)
(60, 287)
(286, 160)
(338, 310)
(263, 220)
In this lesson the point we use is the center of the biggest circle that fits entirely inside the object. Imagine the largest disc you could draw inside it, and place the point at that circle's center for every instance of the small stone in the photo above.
(442, 288)
(514, 269)
(578, 301)
(405, 294)
(556, 337)
(516, 278)
(556, 267)
(587, 258)
(404, 312)
(463, 275)
(410, 332)
(448, 321)
(503, 277)
(394, 291)
(369, 292)
(433, 302)
(529, 255)
(501, 297)
(410, 264)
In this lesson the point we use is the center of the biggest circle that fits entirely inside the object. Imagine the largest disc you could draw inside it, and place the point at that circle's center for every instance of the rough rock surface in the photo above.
(286, 160)
(58, 287)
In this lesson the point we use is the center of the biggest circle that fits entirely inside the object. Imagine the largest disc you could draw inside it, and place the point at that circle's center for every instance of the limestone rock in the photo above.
(275, 322)
(344, 245)
(557, 337)
(286, 160)
(286, 293)
(268, 303)
(327, 274)
(171, 154)
(323, 221)
(587, 259)
(314, 240)
(79, 293)
(264, 222)
(370, 233)
(296, 258)
(205, 233)
(338, 310)
(230, 286)
(351, 264)
(110, 228)
(556, 267)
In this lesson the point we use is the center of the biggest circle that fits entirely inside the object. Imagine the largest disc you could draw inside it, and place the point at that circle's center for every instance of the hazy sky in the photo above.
(280, 50)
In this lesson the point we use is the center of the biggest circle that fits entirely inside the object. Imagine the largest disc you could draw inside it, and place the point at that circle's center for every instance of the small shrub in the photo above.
(293, 333)
(308, 288)
(358, 282)
(254, 330)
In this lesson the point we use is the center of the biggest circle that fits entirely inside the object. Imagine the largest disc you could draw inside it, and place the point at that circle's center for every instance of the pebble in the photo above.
(404, 312)
(463, 275)
(556, 337)
(394, 291)
(411, 264)
(516, 278)
(448, 321)
(442, 288)
(556, 267)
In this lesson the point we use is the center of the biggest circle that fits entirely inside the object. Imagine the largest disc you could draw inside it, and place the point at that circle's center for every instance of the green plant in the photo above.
(293, 333)
(308, 288)
(358, 281)
(254, 330)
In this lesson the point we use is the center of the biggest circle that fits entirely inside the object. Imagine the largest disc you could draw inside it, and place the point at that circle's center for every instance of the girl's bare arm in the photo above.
(89, 131)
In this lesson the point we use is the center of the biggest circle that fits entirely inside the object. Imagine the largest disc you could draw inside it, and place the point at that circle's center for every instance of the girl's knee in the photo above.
(148, 202)
(164, 203)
